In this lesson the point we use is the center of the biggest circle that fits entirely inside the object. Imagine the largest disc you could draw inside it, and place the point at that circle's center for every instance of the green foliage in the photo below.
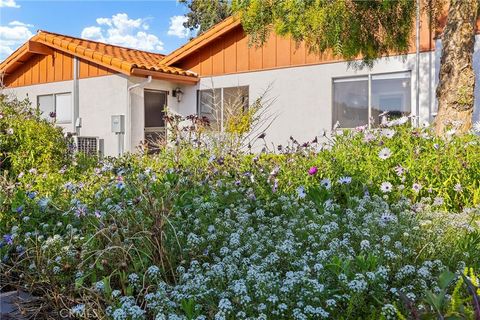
(189, 233)
(27, 141)
(352, 29)
(204, 14)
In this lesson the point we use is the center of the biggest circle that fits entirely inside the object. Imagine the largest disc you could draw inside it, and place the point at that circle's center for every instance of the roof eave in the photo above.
(165, 76)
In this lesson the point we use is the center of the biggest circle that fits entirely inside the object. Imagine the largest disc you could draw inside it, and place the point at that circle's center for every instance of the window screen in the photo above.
(235, 98)
(350, 102)
(63, 107)
(46, 106)
(210, 106)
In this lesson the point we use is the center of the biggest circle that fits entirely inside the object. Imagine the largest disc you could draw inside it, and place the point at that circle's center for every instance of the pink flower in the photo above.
(312, 171)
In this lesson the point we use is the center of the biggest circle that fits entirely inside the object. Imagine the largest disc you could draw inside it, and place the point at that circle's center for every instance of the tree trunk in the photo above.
(455, 91)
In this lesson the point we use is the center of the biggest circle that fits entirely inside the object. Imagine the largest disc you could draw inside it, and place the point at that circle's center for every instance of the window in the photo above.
(219, 105)
(58, 104)
(355, 99)
(350, 102)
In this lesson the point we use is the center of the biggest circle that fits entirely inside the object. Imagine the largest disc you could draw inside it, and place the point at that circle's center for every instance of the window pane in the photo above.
(235, 98)
(210, 106)
(46, 106)
(155, 103)
(63, 107)
(391, 93)
(350, 102)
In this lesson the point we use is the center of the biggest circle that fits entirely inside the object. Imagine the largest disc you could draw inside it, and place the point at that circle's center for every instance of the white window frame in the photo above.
(363, 77)
(199, 111)
(54, 95)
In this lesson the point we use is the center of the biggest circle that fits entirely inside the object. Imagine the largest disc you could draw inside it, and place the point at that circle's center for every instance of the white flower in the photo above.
(386, 187)
(344, 180)
(384, 154)
(364, 244)
(10, 131)
(416, 187)
(438, 201)
(388, 133)
(458, 187)
(301, 192)
(326, 183)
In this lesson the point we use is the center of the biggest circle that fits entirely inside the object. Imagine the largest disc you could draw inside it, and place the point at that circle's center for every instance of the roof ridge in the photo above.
(99, 42)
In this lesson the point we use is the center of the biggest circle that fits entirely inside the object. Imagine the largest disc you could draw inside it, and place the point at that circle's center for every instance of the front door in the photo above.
(155, 103)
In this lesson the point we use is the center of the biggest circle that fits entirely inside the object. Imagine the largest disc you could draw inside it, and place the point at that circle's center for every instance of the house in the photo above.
(113, 98)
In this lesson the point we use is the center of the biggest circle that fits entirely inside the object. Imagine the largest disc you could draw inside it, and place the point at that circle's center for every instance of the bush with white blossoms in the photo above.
(367, 224)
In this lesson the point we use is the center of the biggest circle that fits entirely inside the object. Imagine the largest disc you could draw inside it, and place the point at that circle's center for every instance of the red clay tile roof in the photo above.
(120, 59)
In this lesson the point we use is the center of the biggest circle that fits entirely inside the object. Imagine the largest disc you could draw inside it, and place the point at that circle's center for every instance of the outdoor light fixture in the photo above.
(177, 92)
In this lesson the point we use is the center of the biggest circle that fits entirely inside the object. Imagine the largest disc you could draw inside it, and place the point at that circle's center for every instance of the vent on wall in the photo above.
(88, 145)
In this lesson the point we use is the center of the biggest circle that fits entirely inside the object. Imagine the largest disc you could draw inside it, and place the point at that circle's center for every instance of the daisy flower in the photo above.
(301, 192)
(326, 183)
(386, 187)
(416, 187)
(388, 133)
(345, 180)
(384, 154)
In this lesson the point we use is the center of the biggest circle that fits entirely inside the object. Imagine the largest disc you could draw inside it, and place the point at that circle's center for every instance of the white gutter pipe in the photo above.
(129, 106)
(76, 105)
(417, 64)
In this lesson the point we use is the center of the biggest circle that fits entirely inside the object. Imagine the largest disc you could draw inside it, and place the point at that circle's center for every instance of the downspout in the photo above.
(76, 106)
(129, 111)
(417, 64)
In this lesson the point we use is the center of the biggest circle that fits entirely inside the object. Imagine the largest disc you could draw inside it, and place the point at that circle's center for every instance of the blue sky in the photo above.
(147, 25)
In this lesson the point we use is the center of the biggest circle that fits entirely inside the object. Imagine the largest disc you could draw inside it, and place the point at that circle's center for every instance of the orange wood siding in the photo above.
(39, 69)
(231, 53)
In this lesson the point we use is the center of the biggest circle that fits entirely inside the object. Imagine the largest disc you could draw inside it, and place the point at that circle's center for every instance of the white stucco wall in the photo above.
(99, 99)
(137, 110)
(303, 95)
(32, 92)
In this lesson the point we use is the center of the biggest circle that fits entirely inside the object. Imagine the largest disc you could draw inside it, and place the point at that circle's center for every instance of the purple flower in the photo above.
(19, 209)
(312, 171)
(275, 186)
(52, 114)
(98, 214)
(8, 239)
(31, 194)
(416, 187)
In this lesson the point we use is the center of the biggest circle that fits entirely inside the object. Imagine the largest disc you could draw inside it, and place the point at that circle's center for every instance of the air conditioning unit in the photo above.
(88, 145)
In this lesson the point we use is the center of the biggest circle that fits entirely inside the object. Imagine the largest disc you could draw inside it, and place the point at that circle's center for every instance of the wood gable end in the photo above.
(42, 64)
(228, 51)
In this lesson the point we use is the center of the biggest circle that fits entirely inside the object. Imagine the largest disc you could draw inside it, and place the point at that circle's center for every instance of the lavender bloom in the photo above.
(8, 239)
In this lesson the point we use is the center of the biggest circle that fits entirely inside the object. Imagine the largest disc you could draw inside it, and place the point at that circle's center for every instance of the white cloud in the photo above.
(9, 4)
(12, 36)
(123, 31)
(176, 27)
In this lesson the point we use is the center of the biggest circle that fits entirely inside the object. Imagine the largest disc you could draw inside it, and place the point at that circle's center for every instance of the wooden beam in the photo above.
(165, 76)
(39, 48)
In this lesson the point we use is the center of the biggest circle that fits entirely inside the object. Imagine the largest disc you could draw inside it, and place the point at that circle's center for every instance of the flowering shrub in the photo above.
(357, 225)
(26, 141)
